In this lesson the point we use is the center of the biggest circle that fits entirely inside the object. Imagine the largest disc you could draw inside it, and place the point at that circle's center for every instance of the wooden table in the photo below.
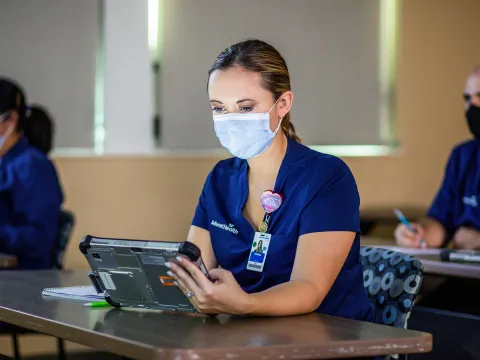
(7, 261)
(160, 335)
(430, 259)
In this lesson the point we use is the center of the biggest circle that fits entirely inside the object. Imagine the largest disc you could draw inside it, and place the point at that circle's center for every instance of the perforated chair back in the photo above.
(392, 280)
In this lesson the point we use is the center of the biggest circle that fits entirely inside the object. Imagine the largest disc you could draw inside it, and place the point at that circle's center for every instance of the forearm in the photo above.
(290, 298)
(434, 232)
(201, 238)
(473, 244)
(467, 239)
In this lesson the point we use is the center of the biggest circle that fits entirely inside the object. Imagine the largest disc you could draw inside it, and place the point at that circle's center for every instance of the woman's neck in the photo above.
(266, 165)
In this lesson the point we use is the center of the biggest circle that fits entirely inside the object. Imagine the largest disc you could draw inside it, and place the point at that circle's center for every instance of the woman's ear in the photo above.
(284, 104)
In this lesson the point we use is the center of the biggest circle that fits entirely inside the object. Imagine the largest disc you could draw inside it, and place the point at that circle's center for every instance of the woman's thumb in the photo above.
(218, 274)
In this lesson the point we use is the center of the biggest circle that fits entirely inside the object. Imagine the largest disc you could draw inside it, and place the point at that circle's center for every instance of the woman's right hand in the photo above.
(407, 238)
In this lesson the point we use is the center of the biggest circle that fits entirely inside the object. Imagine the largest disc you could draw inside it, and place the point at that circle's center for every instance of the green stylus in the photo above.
(97, 304)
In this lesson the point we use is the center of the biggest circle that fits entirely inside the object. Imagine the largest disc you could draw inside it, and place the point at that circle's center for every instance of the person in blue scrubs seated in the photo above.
(455, 211)
(454, 215)
(301, 207)
(30, 193)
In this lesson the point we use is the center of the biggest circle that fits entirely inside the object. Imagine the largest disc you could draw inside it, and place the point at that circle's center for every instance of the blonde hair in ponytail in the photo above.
(289, 129)
(259, 57)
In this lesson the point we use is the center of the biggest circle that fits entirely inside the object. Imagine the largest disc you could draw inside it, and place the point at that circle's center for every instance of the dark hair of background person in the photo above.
(34, 122)
(39, 128)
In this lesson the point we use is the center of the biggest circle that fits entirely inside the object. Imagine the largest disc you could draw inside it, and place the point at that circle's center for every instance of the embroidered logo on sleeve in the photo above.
(470, 200)
(229, 227)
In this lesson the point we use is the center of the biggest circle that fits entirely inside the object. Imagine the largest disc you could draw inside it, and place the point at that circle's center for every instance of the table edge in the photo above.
(449, 269)
(88, 337)
(421, 343)
(456, 269)
(340, 350)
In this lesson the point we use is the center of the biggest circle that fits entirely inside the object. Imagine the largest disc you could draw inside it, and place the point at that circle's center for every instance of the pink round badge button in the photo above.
(271, 201)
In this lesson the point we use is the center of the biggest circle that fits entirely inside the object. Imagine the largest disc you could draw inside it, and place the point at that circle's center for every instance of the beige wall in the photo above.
(439, 46)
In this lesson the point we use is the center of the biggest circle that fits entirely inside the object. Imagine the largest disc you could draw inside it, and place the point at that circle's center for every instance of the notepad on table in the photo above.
(87, 293)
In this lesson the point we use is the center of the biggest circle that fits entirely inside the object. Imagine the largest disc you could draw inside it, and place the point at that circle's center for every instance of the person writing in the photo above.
(455, 211)
(303, 205)
(30, 193)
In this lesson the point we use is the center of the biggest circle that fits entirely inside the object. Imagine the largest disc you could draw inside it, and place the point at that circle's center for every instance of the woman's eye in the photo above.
(246, 109)
(217, 109)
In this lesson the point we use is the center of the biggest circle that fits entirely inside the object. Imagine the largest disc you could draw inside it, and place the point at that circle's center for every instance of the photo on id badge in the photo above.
(258, 251)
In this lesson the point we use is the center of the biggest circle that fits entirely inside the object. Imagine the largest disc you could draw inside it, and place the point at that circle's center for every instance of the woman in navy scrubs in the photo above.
(30, 194)
(303, 206)
(455, 211)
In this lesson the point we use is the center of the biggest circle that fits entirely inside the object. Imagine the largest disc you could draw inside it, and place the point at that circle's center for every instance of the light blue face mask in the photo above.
(245, 135)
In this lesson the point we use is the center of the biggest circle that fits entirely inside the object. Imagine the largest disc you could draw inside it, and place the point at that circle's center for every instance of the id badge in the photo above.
(258, 251)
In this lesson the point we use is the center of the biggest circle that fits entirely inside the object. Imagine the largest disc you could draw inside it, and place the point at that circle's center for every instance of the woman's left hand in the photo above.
(222, 296)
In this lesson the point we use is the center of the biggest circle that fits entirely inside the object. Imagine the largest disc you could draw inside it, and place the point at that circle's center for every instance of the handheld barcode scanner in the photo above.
(132, 273)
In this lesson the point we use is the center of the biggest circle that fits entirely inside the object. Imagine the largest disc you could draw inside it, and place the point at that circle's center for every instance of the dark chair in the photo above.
(392, 280)
(66, 221)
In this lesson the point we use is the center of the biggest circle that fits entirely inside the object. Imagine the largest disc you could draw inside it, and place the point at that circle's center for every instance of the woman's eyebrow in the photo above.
(238, 102)
(243, 100)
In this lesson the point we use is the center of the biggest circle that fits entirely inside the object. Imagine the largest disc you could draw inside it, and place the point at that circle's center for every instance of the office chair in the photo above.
(392, 280)
(66, 221)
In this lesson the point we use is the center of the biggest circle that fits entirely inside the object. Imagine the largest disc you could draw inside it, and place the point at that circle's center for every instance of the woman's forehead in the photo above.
(234, 84)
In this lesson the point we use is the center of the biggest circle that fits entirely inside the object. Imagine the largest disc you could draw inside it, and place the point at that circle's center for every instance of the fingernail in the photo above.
(168, 265)
(179, 259)
(169, 273)
(176, 283)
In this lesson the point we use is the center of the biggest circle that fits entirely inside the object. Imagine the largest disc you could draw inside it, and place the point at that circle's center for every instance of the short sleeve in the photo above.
(442, 205)
(335, 208)
(200, 218)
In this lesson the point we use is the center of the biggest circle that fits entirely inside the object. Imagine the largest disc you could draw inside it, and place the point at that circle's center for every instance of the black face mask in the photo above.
(473, 120)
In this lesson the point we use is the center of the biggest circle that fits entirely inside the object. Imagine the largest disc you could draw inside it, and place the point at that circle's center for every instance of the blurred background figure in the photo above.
(39, 128)
(30, 193)
(454, 215)
(455, 211)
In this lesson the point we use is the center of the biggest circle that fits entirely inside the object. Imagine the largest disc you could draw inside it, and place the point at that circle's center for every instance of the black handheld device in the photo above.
(132, 273)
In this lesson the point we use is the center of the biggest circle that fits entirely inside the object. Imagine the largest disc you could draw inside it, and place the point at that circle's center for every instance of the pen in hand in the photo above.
(405, 222)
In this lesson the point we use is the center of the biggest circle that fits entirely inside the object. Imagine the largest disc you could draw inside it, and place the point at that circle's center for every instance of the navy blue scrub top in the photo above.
(319, 194)
(457, 202)
(30, 201)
